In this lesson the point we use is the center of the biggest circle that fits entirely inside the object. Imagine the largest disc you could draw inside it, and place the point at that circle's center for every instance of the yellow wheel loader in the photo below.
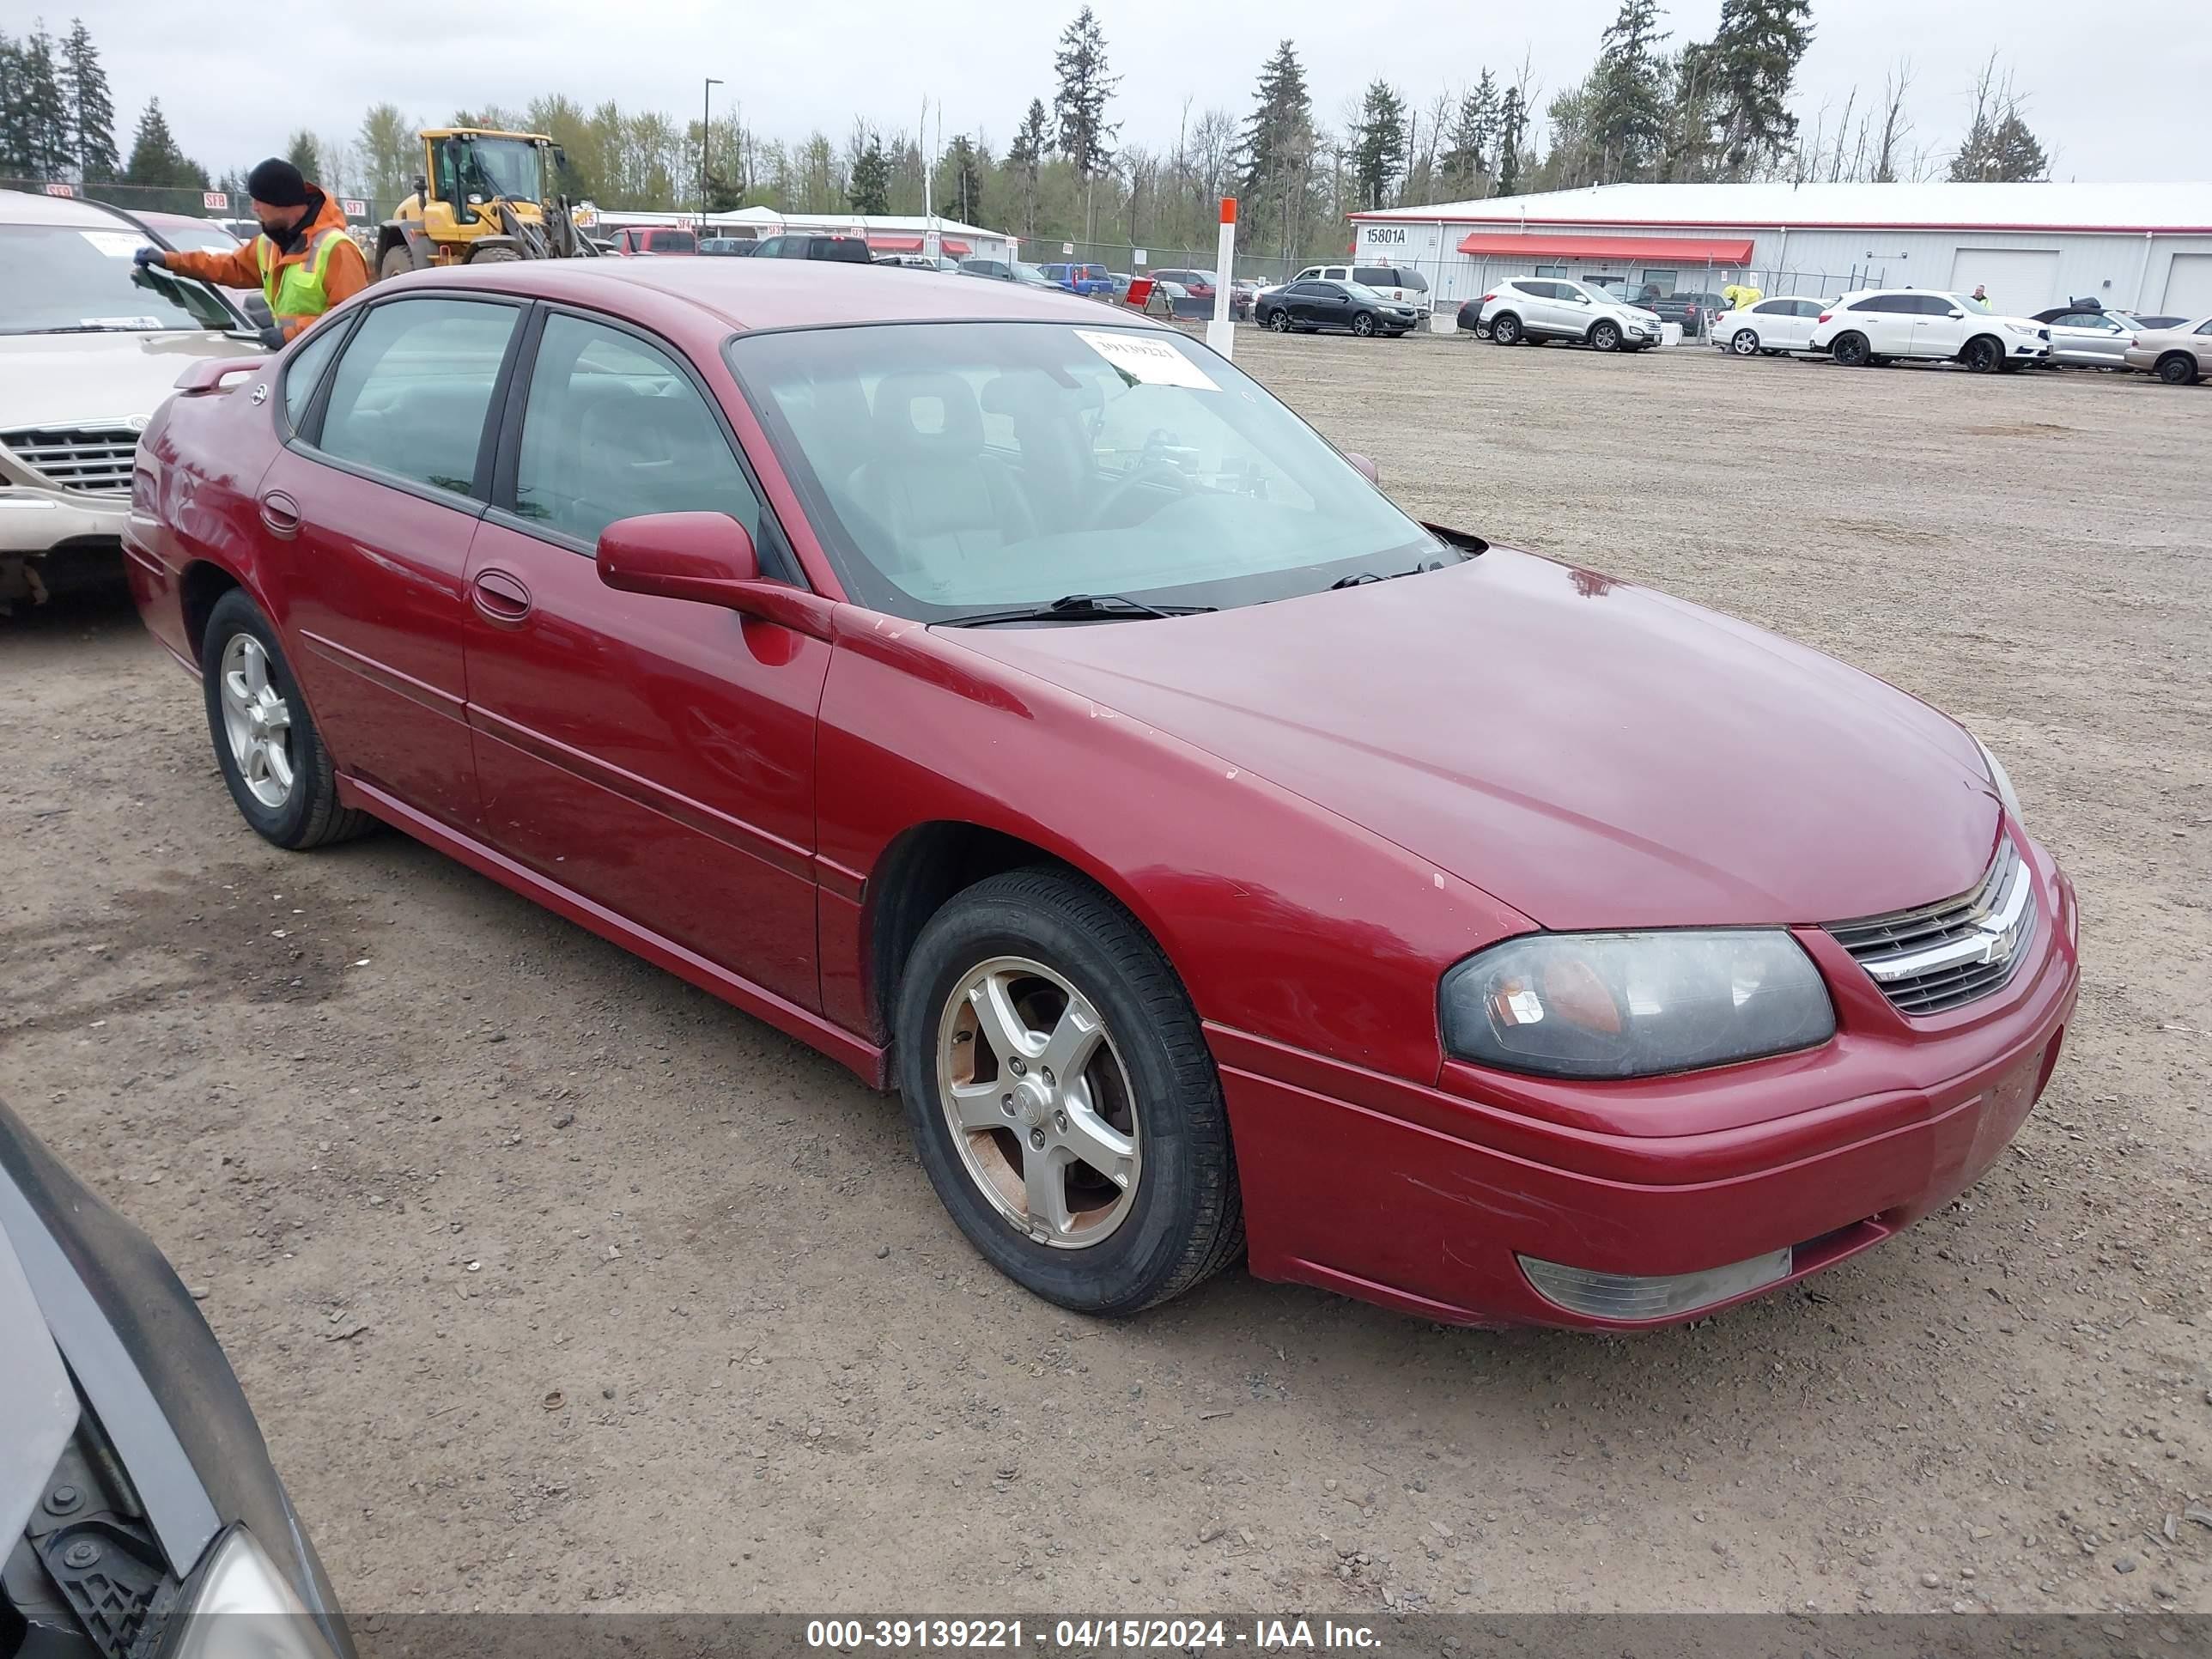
(482, 195)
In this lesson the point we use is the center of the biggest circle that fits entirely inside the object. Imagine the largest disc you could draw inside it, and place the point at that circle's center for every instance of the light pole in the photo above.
(706, 141)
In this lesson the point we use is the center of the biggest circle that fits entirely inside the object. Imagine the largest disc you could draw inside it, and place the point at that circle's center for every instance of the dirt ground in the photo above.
(558, 1284)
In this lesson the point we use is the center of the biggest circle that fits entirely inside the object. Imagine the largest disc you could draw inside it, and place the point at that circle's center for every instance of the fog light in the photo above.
(1626, 1296)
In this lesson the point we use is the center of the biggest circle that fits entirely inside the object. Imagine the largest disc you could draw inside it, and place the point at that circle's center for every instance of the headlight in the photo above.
(2029, 329)
(245, 1609)
(1635, 1004)
(2005, 790)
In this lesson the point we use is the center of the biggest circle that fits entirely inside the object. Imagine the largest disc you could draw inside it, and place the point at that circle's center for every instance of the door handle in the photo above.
(280, 515)
(499, 598)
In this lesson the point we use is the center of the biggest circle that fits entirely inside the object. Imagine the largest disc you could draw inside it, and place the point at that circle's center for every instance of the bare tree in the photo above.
(1896, 124)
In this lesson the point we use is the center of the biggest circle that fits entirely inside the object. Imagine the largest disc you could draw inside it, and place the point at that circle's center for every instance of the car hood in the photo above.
(88, 380)
(1595, 754)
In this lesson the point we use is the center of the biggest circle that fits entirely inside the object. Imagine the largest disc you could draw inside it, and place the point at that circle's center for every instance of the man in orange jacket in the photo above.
(303, 262)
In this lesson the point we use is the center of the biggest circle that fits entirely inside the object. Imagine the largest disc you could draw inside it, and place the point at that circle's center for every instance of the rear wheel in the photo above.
(1505, 329)
(1363, 325)
(1605, 337)
(265, 742)
(1278, 321)
(2178, 368)
(494, 256)
(1745, 343)
(1982, 354)
(1851, 350)
(1061, 1097)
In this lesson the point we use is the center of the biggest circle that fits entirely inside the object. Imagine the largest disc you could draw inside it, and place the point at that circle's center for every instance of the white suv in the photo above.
(1876, 325)
(1536, 308)
(1401, 284)
(89, 348)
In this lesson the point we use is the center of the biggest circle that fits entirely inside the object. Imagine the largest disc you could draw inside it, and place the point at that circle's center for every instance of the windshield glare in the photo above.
(500, 166)
(1361, 291)
(1030, 273)
(958, 468)
(59, 276)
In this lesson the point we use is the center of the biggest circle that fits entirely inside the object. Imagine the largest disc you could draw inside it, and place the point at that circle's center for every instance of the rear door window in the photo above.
(409, 394)
(1376, 276)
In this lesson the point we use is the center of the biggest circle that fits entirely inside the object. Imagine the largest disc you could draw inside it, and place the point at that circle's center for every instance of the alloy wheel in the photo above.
(256, 721)
(1363, 325)
(1280, 321)
(1746, 343)
(1039, 1102)
(1505, 330)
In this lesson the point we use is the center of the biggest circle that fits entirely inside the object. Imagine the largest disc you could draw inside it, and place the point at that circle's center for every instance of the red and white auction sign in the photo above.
(215, 201)
(355, 208)
(59, 189)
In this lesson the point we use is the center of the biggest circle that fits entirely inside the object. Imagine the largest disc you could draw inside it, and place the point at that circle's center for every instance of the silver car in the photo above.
(2088, 338)
(2179, 357)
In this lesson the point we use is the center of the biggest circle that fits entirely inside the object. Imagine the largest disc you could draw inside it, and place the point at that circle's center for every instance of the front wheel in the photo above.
(1363, 325)
(398, 259)
(1852, 350)
(1746, 343)
(265, 742)
(1604, 336)
(1278, 322)
(1982, 354)
(1061, 1097)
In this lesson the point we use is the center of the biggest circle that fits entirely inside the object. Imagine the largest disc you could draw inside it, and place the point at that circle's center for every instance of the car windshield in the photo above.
(1030, 273)
(64, 279)
(200, 235)
(953, 469)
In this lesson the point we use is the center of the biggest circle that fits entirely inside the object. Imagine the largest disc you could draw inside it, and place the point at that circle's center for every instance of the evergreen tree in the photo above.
(1625, 102)
(870, 191)
(1467, 147)
(959, 182)
(1082, 132)
(1277, 148)
(155, 160)
(1025, 156)
(1754, 55)
(1685, 150)
(303, 153)
(91, 106)
(14, 134)
(1512, 125)
(2000, 150)
(45, 140)
(1378, 155)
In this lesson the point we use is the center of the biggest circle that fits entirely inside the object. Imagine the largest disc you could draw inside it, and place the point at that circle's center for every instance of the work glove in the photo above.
(150, 256)
(273, 338)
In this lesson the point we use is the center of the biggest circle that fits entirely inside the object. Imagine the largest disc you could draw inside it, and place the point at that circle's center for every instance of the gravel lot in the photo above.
(557, 1285)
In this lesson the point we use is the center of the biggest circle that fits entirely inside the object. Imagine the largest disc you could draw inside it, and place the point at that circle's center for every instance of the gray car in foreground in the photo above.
(139, 1513)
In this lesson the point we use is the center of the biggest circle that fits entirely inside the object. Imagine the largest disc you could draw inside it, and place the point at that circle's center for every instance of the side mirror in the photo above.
(1365, 469)
(1955, 315)
(422, 186)
(560, 158)
(706, 558)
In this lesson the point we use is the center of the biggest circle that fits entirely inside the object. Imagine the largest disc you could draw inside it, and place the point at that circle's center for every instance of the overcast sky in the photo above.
(2114, 93)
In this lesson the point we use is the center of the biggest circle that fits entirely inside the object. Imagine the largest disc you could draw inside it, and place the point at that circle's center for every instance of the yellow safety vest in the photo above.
(296, 289)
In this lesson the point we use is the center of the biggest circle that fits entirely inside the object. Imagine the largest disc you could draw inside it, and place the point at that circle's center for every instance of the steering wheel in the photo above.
(1145, 478)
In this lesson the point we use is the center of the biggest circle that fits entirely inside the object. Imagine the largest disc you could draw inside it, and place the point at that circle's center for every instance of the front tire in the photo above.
(272, 757)
(1851, 350)
(398, 259)
(1363, 325)
(1604, 336)
(1745, 344)
(1982, 354)
(1061, 1097)
(1505, 330)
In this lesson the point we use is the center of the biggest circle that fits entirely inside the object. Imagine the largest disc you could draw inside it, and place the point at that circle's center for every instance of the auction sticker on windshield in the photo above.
(115, 244)
(1145, 363)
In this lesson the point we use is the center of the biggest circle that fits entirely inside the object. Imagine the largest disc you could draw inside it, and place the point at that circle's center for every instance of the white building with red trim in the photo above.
(2143, 247)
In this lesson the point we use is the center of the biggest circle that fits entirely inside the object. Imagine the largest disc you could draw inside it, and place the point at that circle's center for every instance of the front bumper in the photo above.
(36, 519)
(1424, 1198)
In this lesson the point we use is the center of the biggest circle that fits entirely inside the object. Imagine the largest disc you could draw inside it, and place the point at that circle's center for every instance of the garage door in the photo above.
(2019, 279)
(2189, 285)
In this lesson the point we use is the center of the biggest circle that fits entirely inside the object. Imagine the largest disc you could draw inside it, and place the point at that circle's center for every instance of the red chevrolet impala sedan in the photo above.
(1014, 701)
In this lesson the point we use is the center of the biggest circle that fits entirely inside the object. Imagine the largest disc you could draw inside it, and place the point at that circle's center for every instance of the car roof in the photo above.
(749, 294)
(20, 207)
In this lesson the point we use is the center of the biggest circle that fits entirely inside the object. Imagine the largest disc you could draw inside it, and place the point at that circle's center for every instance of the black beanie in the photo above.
(278, 182)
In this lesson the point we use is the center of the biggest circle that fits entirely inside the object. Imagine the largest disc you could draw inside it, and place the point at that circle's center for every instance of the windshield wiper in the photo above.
(1361, 578)
(1079, 607)
(106, 328)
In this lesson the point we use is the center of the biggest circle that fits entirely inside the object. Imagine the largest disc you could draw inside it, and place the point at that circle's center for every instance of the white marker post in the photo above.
(1220, 332)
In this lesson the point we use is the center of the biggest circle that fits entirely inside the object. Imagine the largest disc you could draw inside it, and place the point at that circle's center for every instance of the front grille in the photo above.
(93, 459)
(1941, 955)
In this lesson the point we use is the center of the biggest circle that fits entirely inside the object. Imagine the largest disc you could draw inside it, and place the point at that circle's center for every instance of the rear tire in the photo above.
(494, 256)
(1278, 321)
(2177, 369)
(1745, 343)
(1147, 1078)
(1853, 349)
(1505, 329)
(304, 812)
